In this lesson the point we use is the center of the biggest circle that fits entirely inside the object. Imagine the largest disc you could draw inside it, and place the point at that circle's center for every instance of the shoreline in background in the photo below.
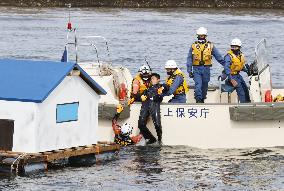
(262, 4)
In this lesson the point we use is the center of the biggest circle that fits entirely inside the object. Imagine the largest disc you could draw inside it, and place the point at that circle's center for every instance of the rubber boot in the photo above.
(151, 141)
(199, 101)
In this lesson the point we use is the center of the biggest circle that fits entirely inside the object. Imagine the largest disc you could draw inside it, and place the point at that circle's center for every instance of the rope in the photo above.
(21, 156)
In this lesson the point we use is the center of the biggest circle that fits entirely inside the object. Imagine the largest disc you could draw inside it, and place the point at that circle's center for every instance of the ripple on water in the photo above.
(159, 34)
(167, 168)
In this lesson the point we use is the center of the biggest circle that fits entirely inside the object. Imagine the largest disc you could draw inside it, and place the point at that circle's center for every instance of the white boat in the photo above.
(221, 122)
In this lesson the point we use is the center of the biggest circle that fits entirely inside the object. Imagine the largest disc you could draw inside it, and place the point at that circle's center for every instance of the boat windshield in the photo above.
(261, 53)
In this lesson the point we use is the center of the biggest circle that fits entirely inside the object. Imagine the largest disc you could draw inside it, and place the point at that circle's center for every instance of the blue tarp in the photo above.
(33, 81)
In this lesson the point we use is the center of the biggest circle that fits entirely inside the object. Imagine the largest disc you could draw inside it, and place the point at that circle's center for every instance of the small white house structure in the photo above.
(47, 105)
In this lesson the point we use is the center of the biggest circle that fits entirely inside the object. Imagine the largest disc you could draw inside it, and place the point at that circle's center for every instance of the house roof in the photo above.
(33, 81)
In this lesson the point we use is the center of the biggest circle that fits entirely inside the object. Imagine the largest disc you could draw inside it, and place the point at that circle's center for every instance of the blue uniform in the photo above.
(179, 98)
(202, 74)
(242, 89)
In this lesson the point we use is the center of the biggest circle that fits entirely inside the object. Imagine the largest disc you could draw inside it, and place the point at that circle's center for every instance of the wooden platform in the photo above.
(23, 163)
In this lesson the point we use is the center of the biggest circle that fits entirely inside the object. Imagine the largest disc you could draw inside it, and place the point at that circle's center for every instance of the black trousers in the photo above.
(150, 108)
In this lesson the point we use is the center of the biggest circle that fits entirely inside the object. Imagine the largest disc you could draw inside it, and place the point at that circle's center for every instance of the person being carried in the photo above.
(151, 100)
(123, 133)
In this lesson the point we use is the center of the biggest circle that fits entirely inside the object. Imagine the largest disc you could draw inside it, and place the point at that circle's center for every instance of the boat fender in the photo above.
(122, 92)
(268, 96)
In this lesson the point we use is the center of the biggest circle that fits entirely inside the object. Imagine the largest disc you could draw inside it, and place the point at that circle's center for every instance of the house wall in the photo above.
(51, 135)
(24, 116)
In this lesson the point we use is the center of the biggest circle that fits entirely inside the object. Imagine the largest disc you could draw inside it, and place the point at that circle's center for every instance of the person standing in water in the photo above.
(151, 100)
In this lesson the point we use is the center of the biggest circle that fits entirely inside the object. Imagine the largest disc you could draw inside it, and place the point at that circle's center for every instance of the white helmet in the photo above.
(145, 69)
(236, 42)
(126, 129)
(201, 31)
(170, 64)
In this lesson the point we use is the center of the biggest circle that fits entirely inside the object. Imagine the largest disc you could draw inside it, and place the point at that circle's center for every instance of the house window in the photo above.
(67, 112)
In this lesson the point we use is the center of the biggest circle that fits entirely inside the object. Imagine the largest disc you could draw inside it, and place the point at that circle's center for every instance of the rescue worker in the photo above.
(151, 100)
(140, 83)
(176, 83)
(199, 61)
(234, 64)
(122, 133)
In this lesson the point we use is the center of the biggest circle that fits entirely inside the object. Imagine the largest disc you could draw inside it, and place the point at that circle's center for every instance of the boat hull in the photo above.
(205, 126)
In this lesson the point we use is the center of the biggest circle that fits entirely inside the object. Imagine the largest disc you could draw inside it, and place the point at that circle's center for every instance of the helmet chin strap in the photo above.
(170, 73)
(201, 40)
(236, 51)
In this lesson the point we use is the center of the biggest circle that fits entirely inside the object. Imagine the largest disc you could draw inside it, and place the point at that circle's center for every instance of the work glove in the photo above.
(137, 138)
(222, 77)
(234, 83)
(278, 98)
(190, 74)
(143, 98)
(160, 90)
(119, 108)
(130, 101)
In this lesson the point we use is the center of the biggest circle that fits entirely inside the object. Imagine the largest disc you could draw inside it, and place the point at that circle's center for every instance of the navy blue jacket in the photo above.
(152, 93)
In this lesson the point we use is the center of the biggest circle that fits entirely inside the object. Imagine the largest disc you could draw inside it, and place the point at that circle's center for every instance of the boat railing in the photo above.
(88, 41)
(93, 44)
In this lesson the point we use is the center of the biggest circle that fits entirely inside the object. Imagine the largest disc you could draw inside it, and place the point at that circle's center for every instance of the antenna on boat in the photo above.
(69, 25)
(147, 63)
(69, 28)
